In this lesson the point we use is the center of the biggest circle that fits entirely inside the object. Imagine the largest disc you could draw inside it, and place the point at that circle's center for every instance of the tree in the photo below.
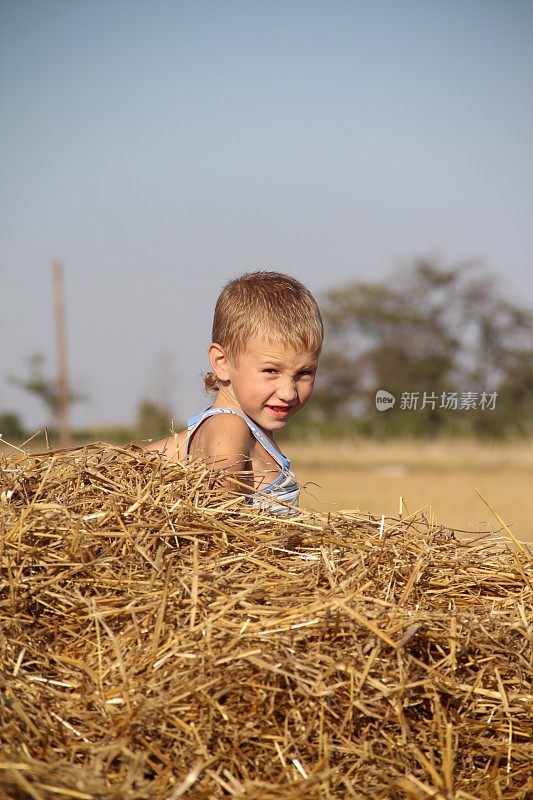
(11, 428)
(153, 419)
(44, 388)
(427, 329)
(154, 412)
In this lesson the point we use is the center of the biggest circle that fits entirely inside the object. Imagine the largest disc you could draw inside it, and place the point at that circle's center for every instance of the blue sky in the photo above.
(160, 148)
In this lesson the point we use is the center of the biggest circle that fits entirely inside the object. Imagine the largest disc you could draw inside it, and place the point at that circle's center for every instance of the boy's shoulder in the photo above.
(223, 432)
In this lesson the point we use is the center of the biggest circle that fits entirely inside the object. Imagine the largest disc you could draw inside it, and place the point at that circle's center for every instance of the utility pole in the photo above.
(63, 394)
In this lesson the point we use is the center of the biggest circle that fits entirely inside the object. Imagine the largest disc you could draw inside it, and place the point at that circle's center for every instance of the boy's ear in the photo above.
(219, 361)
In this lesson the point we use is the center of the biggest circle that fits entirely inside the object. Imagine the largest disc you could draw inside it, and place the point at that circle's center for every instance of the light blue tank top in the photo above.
(284, 487)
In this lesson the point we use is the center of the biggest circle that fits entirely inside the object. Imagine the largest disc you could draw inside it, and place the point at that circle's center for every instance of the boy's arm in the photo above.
(170, 448)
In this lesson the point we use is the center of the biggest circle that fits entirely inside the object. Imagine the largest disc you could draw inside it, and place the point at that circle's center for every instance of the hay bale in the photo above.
(161, 640)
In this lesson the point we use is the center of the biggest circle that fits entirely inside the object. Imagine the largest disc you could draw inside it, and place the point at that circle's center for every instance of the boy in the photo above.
(266, 342)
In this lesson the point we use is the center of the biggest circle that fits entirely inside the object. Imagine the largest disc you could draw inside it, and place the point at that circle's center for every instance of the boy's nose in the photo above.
(287, 392)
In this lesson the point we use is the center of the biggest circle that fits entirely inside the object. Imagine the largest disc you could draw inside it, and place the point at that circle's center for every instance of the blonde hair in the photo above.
(264, 304)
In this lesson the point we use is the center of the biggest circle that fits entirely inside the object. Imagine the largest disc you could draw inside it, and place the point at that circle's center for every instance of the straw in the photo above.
(160, 639)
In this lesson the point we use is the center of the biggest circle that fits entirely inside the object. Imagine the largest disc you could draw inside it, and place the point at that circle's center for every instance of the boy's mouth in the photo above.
(280, 412)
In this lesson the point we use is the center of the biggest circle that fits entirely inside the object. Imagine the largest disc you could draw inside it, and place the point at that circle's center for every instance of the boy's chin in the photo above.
(269, 422)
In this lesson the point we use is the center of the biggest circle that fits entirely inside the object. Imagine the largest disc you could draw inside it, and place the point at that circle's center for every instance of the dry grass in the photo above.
(443, 474)
(161, 640)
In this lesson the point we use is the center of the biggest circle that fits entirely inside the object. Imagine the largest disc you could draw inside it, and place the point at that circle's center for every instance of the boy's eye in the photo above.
(270, 371)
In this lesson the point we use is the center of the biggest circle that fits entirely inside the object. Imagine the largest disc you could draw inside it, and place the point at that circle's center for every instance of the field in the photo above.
(371, 476)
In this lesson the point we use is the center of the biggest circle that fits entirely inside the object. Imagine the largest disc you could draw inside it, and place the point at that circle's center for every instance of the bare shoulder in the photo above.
(224, 439)
(170, 448)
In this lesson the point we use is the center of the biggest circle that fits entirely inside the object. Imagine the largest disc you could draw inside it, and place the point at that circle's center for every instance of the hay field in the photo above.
(371, 476)
(160, 639)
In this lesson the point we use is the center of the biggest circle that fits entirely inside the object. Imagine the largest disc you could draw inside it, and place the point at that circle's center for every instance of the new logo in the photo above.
(384, 400)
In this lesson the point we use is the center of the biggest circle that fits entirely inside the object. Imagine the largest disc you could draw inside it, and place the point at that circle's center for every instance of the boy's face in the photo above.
(269, 382)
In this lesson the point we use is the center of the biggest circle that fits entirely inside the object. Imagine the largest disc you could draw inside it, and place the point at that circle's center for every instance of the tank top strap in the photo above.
(194, 422)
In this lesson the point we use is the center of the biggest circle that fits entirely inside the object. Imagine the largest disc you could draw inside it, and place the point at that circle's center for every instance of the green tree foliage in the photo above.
(46, 389)
(11, 427)
(153, 419)
(154, 412)
(426, 329)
